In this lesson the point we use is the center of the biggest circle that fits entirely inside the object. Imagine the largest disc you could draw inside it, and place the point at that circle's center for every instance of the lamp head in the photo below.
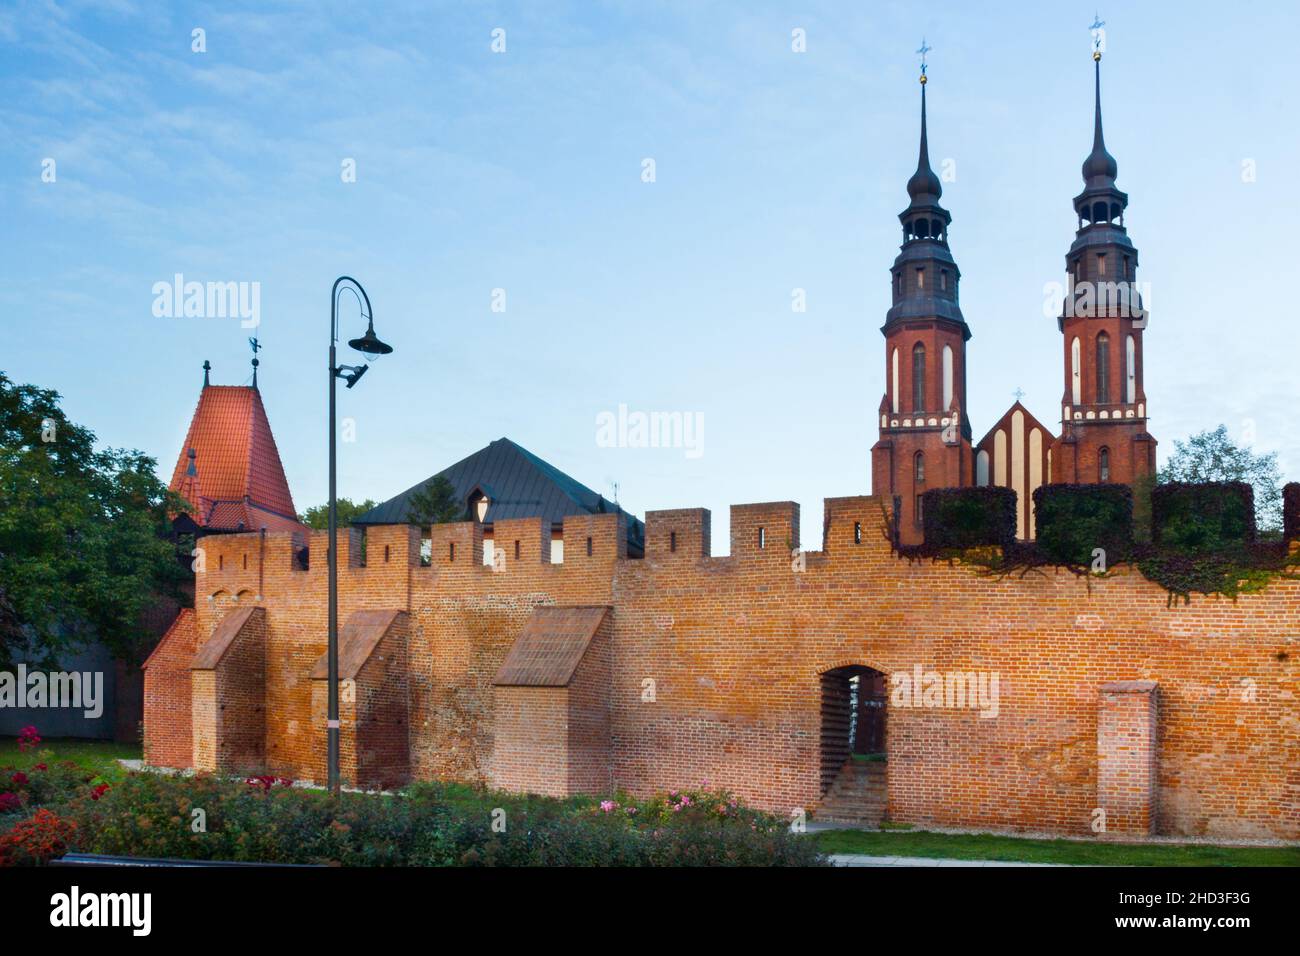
(370, 343)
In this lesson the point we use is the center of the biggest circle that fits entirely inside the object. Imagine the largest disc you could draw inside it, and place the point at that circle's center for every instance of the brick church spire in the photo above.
(924, 432)
(1103, 408)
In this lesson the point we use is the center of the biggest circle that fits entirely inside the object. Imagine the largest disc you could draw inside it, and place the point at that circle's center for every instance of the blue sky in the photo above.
(522, 171)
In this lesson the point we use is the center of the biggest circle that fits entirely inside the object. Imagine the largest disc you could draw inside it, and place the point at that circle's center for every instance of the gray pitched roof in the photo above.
(519, 484)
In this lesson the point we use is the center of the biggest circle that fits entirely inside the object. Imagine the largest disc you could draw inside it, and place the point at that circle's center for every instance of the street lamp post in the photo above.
(368, 344)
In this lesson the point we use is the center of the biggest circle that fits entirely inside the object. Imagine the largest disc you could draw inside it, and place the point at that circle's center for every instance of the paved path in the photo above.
(858, 859)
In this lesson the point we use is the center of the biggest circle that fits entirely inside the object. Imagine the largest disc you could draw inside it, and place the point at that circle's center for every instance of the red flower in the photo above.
(28, 738)
(40, 766)
(19, 779)
(99, 791)
(36, 840)
(9, 802)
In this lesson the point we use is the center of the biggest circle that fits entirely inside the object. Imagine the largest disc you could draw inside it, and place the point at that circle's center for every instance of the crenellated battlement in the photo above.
(767, 531)
(239, 563)
(763, 533)
(455, 547)
(523, 541)
(595, 539)
(682, 534)
(853, 526)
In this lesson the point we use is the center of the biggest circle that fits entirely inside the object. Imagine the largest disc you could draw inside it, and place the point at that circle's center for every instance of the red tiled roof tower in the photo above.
(229, 469)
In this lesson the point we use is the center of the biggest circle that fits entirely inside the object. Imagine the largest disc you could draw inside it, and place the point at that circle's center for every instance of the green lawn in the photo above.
(95, 756)
(1022, 850)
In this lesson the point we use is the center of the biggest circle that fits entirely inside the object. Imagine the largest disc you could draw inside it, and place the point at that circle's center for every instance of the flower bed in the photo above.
(262, 819)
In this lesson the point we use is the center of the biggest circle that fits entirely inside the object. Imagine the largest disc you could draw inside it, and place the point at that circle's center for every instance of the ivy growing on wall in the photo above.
(1203, 537)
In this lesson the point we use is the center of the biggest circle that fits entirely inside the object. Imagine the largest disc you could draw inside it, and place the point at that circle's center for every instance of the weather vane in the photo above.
(923, 51)
(256, 346)
(1098, 35)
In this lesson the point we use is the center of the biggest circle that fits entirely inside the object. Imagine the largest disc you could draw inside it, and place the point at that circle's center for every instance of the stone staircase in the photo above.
(858, 794)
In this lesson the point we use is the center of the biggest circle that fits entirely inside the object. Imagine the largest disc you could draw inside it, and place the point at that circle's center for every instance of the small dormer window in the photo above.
(943, 279)
(479, 503)
(1101, 263)
(920, 278)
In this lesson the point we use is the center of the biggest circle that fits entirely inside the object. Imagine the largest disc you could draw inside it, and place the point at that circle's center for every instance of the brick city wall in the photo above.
(715, 666)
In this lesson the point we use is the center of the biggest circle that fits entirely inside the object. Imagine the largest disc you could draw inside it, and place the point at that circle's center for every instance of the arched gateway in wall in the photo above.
(853, 750)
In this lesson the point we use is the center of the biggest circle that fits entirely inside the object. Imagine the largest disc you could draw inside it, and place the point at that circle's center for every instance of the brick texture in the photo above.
(167, 741)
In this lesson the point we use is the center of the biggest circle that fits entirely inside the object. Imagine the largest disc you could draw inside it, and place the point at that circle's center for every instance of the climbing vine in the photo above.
(1204, 538)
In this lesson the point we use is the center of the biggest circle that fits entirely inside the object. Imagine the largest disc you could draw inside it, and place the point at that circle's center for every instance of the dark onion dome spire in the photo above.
(1100, 168)
(924, 186)
(924, 276)
(1101, 204)
(1102, 240)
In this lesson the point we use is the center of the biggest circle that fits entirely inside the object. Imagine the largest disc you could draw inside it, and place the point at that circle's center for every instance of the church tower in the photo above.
(924, 432)
(1104, 407)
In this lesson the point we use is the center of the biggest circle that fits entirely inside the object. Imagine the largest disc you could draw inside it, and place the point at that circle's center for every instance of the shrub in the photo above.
(42, 784)
(1074, 520)
(1291, 511)
(959, 518)
(1204, 516)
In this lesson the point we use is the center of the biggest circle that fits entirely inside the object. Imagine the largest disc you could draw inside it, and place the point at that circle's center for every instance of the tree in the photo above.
(1212, 456)
(435, 503)
(318, 517)
(84, 534)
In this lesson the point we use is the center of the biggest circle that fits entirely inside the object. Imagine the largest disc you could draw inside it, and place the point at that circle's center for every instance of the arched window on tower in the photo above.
(1103, 465)
(918, 377)
(893, 380)
(918, 486)
(947, 378)
(1103, 369)
(1076, 389)
(1130, 371)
